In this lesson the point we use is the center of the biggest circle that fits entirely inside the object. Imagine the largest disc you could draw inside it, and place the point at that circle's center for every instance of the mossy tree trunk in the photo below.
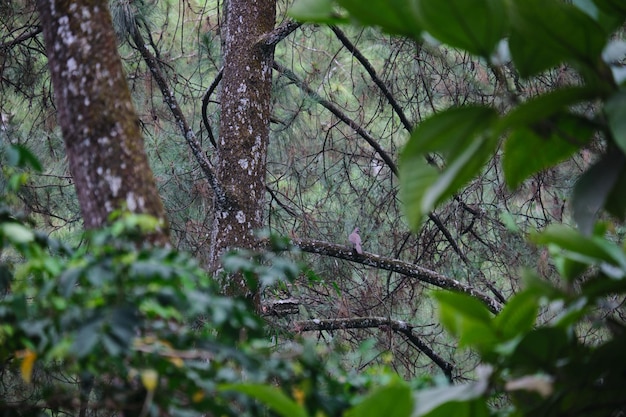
(244, 130)
(99, 124)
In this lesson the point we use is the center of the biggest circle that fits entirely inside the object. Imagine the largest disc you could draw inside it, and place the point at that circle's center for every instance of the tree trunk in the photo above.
(244, 130)
(99, 124)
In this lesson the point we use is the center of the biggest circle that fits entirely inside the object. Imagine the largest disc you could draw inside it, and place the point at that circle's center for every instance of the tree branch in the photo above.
(397, 326)
(24, 36)
(395, 265)
(340, 115)
(372, 72)
(272, 38)
(205, 103)
(190, 137)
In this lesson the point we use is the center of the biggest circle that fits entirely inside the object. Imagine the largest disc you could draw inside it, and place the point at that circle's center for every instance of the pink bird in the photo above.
(355, 239)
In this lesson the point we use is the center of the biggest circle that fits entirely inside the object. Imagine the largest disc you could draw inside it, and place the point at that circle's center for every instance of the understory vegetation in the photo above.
(480, 148)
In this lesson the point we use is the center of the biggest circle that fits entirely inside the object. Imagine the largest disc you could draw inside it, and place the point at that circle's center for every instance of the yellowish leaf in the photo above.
(149, 379)
(28, 361)
(197, 396)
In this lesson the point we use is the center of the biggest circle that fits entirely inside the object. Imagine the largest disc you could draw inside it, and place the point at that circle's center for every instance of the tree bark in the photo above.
(244, 130)
(97, 118)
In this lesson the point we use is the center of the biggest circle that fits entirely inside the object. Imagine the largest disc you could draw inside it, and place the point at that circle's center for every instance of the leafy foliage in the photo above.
(544, 368)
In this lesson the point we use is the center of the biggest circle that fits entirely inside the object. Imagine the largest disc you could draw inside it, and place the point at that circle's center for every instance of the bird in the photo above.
(355, 239)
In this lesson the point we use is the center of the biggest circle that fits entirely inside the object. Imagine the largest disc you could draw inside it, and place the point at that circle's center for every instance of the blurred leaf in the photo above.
(614, 109)
(592, 249)
(541, 350)
(316, 11)
(593, 189)
(547, 32)
(20, 156)
(518, 315)
(531, 149)
(393, 16)
(17, 233)
(271, 396)
(546, 105)
(475, 26)
(463, 138)
(614, 7)
(458, 400)
(87, 337)
(149, 379)
(26, 367)
(393, 400)
(468, 319)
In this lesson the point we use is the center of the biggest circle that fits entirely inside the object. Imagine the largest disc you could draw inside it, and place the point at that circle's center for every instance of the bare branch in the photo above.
(372, 72)
(395, 265)
(205, 103)
(397, 326)
(340, 115)
(190, 136)
(23, 37)
(272, 38)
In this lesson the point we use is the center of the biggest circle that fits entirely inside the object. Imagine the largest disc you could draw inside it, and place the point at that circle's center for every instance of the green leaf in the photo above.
(468, 319)
(528, 150)
(595, 248)
(593, 189)
(475, 26)
(541, 349)
(17, 233)
(614, 110)
(518, 315)
(316, 11)
(547, 32)
(609, 20)
(393, 16)
(458, 400)
(21, 156)
(390, 401)
(462, 136)
(271, 396)
(614, 7)
(546, 105)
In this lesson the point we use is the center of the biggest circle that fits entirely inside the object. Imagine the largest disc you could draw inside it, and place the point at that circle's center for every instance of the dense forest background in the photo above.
(341, 105)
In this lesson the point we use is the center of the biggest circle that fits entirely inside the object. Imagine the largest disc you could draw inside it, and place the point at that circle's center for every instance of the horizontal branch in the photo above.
(395, 265)
(397, 326)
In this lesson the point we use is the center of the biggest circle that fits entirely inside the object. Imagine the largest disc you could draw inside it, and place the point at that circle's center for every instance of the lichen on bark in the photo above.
(244, 130)
(97, 118)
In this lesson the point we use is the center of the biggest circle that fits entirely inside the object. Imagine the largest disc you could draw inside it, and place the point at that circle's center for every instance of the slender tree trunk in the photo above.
(99, 124)
(244, 129)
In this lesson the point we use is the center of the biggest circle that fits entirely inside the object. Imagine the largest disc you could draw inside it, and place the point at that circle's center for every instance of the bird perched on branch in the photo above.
(355, 239)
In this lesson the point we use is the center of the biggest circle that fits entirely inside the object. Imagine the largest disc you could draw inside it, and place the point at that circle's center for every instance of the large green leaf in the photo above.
(608, 19)
(615, 7)
(271, 396)
(593, 189)
(531, 149)
(462, 136)
(546, 32)
(393, 16)
(518, 315)
(394, 400)
(541, 349)
(476, 26)
(459, 400)
(468, 319)
(588, 250)
(546, 105)
(317, 11)
(614, 110)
